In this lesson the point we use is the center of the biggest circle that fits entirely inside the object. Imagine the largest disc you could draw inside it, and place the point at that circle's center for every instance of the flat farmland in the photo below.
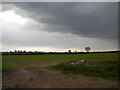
(57, 67)
(12, 61)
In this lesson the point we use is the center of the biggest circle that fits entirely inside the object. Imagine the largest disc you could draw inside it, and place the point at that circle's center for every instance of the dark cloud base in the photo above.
(88, 19)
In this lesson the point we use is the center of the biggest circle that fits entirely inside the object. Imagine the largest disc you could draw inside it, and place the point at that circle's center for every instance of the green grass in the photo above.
(108, 68)
(15, 60)
(64, 57)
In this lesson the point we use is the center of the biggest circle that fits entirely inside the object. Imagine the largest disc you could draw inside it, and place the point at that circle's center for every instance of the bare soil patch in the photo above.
(44, 78)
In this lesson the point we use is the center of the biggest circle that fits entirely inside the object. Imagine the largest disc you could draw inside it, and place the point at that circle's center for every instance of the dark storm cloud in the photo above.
(97, 20)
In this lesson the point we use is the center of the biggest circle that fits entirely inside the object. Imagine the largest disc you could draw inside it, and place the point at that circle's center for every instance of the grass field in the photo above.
(109, 61)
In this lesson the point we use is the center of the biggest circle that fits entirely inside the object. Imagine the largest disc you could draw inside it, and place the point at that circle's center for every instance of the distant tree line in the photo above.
(42, 53)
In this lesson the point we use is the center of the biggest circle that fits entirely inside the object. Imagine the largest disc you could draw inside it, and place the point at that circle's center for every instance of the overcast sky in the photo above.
(60, 26)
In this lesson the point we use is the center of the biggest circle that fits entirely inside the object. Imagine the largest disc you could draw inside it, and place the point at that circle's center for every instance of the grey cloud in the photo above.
(53, 40)
(96, 20)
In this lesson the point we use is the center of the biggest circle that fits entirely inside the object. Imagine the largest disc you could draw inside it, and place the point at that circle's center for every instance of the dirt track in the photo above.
(43, 78)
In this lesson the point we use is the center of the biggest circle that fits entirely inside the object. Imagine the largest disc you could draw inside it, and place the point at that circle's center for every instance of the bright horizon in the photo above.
(75, 50)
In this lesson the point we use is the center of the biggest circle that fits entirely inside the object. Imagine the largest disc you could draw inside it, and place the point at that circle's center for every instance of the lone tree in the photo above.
(87, 49)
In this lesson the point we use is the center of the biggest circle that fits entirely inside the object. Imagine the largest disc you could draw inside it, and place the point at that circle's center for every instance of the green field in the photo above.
(109, 61)
(14, 60)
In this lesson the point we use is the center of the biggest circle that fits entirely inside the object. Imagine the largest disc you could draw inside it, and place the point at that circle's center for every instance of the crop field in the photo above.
(106, 64)
(13, 61)
(39, 61)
